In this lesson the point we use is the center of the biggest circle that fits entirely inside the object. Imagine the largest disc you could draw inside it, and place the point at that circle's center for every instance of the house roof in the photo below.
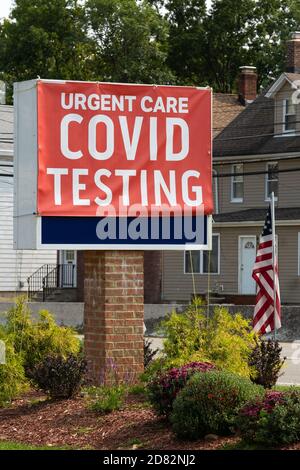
(6, 128)
(285, 77)
(252, 131)
(226, 107)
(257, 215)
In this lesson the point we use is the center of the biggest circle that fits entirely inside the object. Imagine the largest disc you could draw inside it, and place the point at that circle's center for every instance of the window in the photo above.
(69, 256)
(203, 262)
(237, 183)
(272, 180)
(289, 116)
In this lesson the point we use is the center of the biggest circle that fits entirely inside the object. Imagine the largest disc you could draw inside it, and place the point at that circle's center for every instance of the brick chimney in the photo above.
(247, 85)
(293, 54)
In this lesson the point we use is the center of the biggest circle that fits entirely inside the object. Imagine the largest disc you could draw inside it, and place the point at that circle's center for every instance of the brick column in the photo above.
(114, 314)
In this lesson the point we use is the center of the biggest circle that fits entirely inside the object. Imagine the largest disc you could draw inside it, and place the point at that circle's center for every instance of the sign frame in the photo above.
(121, 246)
(27, 222)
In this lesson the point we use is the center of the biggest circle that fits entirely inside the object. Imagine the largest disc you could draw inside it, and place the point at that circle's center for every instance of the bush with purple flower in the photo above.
(164, 386)
(272, 420)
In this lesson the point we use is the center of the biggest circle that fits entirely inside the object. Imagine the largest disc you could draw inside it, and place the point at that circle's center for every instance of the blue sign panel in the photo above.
(126, 232)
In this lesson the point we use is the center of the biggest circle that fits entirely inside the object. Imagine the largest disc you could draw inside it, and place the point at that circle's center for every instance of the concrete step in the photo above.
(57, 295)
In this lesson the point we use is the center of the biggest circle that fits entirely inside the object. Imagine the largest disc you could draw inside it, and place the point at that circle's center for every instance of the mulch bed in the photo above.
(35, 420)
(38, 421)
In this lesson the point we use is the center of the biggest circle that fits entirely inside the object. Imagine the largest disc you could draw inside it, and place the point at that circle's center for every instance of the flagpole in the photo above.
(274, 258)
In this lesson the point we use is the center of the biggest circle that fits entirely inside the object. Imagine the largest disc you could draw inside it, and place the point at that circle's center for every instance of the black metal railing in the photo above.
(35, 282)
(50, 277)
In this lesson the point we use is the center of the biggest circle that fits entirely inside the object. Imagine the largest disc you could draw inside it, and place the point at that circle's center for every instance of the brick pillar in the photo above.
(114, 314)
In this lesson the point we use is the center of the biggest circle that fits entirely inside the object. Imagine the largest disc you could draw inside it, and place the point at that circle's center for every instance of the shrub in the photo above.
(183, 333)
(149, 353)
(106, 399)
(273, 420)
(164, 387)
(137, 390)
(59, 377)
(35, 340)
(12, 376)
(225, 340)
(209, 403)
(266, 362)
(156, 366)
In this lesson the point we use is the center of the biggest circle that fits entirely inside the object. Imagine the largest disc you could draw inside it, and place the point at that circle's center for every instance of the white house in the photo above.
(15, 265)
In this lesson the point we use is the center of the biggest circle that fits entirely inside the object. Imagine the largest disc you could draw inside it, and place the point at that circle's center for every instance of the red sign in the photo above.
(104, 145)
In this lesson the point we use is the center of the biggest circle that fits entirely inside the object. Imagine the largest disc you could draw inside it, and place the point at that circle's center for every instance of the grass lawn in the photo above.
(18, 446)
(241, 445)
(287, 388)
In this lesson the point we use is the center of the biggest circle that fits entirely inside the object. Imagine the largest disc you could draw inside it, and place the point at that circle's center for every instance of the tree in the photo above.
(131, 41)
(249, 32)
(229, 30)
(146, 41)
(46, 39)
(275, 21)
(185, 56)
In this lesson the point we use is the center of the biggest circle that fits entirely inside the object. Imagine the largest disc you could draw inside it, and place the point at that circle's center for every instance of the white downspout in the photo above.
(216, 191)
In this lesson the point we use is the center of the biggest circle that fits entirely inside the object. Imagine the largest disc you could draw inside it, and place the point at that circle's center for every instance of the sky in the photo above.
(6, 4)
(5, 7)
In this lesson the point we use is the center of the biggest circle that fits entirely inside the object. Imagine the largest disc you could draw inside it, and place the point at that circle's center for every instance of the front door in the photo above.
(68, 268)
(247, 260)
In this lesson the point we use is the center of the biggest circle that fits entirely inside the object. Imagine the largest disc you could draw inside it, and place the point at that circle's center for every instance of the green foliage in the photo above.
(223, 339)
(130, 40)
(149, 353)
(265, 359)
(138, 390)
(46, 39)
(209, 402)
(146, 41)
(273, 420)
(229, 29)
(184, 333)
(29, 343)
(12, 376)
(57, 376)
(164, 386)
(106, 399)
(186, 36)
(35, 340)
(7, 445)
(156, 366)
(275, 20)
(208, 47)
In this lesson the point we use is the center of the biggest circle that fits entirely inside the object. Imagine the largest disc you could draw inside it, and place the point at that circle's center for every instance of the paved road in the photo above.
(291, 369)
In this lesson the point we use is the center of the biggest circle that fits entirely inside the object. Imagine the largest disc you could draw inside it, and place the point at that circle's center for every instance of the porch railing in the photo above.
(50, 277)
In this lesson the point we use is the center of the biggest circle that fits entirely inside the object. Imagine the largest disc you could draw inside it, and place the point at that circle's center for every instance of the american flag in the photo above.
(266, 317)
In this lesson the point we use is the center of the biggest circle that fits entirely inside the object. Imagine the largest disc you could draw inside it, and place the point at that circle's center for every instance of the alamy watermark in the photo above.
(296, 93)
(137, 222)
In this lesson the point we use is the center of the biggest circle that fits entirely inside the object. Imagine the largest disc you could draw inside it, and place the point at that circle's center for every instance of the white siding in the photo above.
(16, 265)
